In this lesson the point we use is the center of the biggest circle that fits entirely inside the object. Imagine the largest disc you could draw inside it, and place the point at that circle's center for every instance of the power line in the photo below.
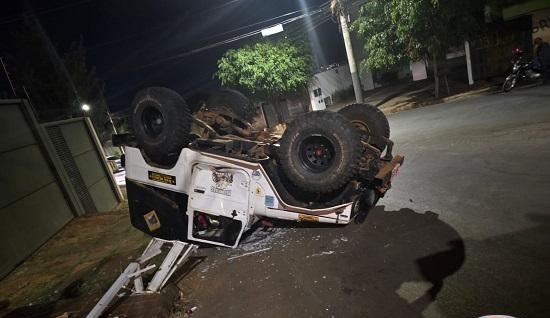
(230, 40)
(161, 27)
(254, 24)
(315, 22)
(318, 19)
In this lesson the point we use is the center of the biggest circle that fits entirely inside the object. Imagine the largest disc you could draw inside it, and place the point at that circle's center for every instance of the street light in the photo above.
(86, 107)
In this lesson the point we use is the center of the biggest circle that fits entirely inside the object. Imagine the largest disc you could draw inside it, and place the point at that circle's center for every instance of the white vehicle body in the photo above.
(222, 187)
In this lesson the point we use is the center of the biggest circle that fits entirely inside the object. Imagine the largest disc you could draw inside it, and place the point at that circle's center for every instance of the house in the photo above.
(332, 79)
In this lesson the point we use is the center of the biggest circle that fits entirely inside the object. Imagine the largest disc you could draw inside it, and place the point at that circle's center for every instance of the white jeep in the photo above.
(208, 174)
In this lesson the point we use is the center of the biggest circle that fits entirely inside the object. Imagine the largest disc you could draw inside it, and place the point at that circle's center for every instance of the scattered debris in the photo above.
(323, 253)
(191, 310)
(249, 253)
(176, 256)
(263, 239)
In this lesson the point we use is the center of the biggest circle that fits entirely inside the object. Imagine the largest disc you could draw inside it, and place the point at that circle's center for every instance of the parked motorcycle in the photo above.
(522, 70)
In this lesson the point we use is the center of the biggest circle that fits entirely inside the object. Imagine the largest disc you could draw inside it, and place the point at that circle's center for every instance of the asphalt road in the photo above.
(465, 231)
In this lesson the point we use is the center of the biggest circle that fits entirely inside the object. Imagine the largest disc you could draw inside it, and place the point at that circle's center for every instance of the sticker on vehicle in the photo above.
(308, 218)
(152, 220)
(223, 180)
(256, 175)
(160, 177)
(270, 201)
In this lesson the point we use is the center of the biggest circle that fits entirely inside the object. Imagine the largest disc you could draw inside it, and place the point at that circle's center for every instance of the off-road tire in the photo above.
(370, 121)
(237, 102)
(161, 121)
(320, 151)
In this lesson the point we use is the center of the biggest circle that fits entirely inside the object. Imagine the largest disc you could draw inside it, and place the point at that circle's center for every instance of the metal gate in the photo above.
(492, 53)
(75, 145)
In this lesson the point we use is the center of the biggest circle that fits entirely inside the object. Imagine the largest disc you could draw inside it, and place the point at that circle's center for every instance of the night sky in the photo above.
(134, 44)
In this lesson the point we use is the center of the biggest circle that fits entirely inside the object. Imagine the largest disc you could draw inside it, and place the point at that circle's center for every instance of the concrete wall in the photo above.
(32, 201)
(48, 174)
(75, 145)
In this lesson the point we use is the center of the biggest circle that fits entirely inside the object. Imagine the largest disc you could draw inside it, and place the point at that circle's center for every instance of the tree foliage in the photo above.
(53, 94)
(395, 30)
(266, 69)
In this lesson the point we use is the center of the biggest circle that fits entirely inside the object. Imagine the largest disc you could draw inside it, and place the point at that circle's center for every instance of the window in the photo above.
(317, 92)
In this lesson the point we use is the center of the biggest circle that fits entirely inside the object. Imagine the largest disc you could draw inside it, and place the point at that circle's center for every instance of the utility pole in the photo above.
(349, 49)
(469, 62)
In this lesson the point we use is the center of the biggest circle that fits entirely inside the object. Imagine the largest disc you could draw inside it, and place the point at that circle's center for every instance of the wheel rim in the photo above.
(317, 153)
(364, 129)
(510, 83)
(152, 121)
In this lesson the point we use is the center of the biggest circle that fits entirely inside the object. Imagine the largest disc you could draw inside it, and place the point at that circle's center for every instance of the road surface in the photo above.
(465, 231)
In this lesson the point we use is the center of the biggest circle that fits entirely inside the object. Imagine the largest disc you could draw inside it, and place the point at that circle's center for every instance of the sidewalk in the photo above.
(410, 95)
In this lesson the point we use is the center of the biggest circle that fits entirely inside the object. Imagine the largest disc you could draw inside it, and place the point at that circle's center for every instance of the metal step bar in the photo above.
(178, 254)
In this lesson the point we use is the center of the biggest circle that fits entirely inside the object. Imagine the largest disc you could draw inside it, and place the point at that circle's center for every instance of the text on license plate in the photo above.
(160, 177)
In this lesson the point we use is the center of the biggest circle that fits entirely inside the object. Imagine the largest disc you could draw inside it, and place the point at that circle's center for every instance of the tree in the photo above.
(396, 30)
(54, 94)
(90, 89)
(267, 69)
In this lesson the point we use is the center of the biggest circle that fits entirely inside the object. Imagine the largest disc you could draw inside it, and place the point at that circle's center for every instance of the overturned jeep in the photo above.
(207, 172)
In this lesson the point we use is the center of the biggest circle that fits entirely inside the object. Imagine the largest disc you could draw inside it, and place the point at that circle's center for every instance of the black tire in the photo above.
(370, 121)
(196, 100)
(320, 152)
(161, 121)
(237, 102)
(509, 83)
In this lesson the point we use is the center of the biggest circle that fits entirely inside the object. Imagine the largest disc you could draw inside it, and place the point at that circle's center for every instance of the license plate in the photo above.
(161, 177)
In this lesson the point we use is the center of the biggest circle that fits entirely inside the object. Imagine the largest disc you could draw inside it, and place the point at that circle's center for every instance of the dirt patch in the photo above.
(82, 259)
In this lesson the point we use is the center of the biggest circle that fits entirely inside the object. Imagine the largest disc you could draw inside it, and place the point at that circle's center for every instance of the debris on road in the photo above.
(191, 310)
(323, 253)
(249, 253)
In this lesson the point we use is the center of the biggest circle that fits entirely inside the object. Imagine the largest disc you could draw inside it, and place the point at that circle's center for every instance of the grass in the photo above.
(83, 258)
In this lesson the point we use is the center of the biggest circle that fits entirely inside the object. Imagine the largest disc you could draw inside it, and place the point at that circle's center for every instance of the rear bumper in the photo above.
(155, 213)
(387, 171)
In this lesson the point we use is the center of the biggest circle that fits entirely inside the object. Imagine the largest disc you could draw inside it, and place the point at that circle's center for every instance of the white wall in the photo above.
(329, 82)
(332, 80)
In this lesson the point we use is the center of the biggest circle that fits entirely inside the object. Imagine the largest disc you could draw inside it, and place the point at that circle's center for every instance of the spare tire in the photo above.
(161, 121)
(371, 123)
(320, 151)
